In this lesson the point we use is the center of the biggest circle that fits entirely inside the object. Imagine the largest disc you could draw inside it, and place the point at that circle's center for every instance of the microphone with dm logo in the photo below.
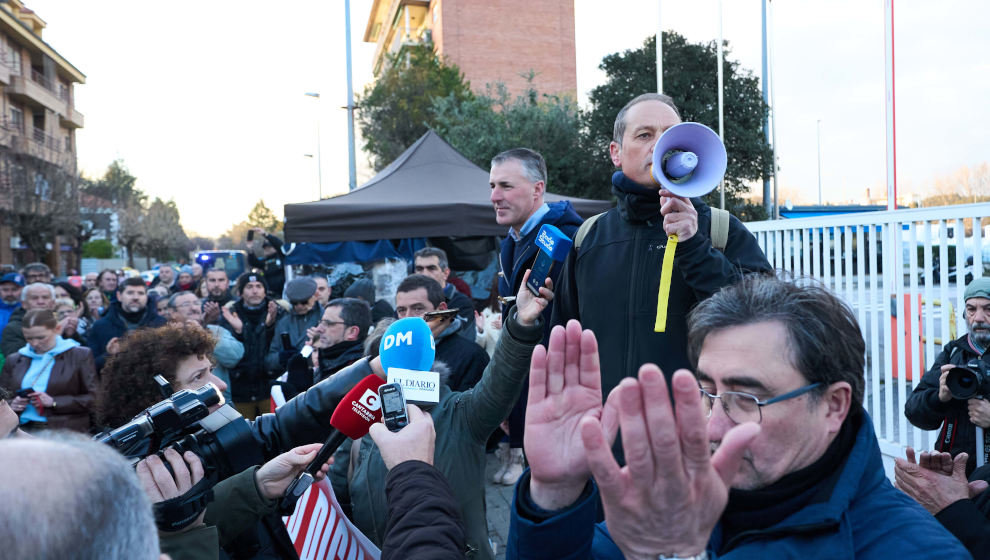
(407, 351)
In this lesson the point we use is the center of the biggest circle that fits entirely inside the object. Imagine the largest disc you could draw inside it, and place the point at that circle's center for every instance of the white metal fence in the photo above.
(903, 273)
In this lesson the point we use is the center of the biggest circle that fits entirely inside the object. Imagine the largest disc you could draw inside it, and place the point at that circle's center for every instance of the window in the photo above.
(68, 142)
(14, 57)
(17, 119)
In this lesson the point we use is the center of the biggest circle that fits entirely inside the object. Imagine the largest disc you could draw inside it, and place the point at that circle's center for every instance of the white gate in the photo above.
(903, 273)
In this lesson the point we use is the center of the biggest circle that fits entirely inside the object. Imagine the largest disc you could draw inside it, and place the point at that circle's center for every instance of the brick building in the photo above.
(491, 41)
(39, 200)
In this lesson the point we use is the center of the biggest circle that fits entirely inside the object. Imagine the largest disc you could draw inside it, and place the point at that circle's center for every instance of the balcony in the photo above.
(34, 93)
(70, 118)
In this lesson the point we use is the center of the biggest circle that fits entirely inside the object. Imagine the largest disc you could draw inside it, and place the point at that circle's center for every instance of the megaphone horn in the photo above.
(689, 160)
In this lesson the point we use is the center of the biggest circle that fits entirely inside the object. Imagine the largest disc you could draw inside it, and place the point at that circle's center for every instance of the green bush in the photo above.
(97, 249)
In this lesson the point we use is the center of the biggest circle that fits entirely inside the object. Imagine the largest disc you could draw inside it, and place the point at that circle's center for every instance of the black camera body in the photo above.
(970, 381)
(24, 393)
(223, 440)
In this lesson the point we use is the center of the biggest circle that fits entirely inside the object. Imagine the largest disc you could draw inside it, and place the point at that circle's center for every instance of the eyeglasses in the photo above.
(428, 268)
(300, 302)
(743, 407)
(329, 324)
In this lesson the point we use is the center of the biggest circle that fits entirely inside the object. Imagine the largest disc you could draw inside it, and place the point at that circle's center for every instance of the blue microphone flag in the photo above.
(407, 344)
(553, 247)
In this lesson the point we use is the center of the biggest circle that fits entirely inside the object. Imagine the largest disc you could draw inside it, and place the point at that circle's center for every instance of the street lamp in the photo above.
(319, 152)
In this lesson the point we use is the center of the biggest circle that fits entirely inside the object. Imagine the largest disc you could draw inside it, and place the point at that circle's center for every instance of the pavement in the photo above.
(498, 501)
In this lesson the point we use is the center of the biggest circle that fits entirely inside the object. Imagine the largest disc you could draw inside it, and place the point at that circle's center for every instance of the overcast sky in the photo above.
(206, 104)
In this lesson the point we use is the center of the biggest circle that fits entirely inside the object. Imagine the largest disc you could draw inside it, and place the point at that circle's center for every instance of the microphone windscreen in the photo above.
(553, 242)
(407, 344)
(359, 409)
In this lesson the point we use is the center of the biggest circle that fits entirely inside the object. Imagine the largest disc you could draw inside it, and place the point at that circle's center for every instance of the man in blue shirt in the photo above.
(10, 296)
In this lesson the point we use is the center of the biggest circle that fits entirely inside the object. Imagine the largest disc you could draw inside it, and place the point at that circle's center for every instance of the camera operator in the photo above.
(238, 502)
(932, 405)
(938, 482)
(424, 520)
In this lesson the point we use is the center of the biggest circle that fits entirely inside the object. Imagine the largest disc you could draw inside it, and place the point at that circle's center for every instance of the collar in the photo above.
(636, 203)
(531, 223)
(976, 347)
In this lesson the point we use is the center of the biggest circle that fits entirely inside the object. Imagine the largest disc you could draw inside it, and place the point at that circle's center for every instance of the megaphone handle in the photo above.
(665, 271)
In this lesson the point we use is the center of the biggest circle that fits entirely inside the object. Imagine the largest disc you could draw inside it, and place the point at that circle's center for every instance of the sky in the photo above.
(205, 102)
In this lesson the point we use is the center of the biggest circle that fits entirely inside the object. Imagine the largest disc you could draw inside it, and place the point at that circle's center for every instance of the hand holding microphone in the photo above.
(415, 442)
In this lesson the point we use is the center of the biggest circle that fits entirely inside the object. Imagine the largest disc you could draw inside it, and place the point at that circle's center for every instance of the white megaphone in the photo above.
(689, 160)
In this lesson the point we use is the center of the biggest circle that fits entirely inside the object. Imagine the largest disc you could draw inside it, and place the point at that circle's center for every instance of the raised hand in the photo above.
(679, 215)
(672, 491)
(232, 319)
(564, 387)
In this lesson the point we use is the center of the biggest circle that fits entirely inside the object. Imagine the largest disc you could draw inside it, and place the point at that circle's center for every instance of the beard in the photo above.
(980, 333)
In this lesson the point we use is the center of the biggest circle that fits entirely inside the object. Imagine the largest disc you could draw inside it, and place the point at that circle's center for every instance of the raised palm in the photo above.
(564, 386)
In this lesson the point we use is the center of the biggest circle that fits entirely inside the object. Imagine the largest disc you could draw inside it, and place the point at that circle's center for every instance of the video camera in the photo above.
(969, 381)
(223, 440)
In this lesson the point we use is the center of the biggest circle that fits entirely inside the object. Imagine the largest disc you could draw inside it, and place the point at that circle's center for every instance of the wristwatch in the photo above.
(701, 556)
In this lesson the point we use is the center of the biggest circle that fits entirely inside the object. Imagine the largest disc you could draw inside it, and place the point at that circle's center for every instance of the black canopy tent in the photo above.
(431, 190)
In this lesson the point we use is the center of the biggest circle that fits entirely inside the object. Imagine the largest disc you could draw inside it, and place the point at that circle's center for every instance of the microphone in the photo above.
(352, 418)
(407, 351)
(553, 247)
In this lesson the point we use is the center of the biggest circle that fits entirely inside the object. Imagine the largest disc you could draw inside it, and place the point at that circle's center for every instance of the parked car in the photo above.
(936, 272)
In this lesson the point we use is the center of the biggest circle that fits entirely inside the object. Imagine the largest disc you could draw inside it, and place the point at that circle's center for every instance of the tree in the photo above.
(690, 77)
(397, 109)
(130, 232)
(488, 124)
(263, 217)
(98, 249)
(164, 238)
(43, 202)
(201, 243)
(235, 236)
(964, 186)
(117, 185)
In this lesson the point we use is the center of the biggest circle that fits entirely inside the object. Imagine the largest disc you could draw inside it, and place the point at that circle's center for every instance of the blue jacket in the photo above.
(561, 215)
(6, 309)
(866, 517)
(112, 325)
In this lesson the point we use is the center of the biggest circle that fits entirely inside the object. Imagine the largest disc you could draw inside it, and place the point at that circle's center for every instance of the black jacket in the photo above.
(924, 410)
(424, 521)
(465, 358)
(515, 257)
(611, 283)
(273, 266)
(969, 520)
(249, 379)
(112, 325)
(465, 307)
(12, 338)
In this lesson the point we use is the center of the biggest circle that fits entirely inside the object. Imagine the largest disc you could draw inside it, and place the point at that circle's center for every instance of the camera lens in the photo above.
(963, 383)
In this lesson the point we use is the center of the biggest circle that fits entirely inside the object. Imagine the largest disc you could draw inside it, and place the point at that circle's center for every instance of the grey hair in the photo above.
(532, 163)
(823, 337)
(29, 287)
(36, 266)
(175, 297)
(76, 498)
(437, 252)
(619, 129)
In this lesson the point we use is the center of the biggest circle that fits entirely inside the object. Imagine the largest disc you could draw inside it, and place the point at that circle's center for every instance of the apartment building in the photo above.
(491, 41)
(39, 201)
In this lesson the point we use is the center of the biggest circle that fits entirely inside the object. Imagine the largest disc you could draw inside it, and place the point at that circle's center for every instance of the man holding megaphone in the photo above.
(611, 281)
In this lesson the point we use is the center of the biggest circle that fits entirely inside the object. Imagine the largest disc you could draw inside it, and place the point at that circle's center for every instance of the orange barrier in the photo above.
(897, 337)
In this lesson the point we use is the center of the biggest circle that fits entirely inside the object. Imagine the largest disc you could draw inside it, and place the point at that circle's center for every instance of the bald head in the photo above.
(76, 498)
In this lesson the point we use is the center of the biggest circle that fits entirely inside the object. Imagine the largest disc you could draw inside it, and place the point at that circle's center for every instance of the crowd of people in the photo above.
(737, 431)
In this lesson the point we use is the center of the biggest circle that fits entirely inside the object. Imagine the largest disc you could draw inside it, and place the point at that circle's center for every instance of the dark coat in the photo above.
(863, 517)
(465, 358)
(424, 522)
(465, 307)
(112, 325)
(72, 383)
(924, 410)
(273, 266)
(515, 257)
(611, 283)
(969, 520)
(250, 378)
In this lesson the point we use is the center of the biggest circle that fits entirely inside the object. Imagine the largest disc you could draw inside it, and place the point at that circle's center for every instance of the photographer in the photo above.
(423, 518)
(932, 405)
(238, 502)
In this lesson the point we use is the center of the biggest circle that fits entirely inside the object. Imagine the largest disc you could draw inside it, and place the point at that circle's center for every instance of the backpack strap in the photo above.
(720, 228)
(582, 231)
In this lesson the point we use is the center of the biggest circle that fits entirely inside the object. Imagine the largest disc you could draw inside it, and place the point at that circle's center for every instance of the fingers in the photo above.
(637, 444)
(729, 456)
(148, 482)
(538, 372)
(572, 354)
(379, 433)
(195, 467)
(556, 359)
(692, 425)
(162, 478)
(662, 434)
(416, 414)
(183, 480)
(590, 372)
(910, 455)
(959, 466)
(976, 488)
(598, 453)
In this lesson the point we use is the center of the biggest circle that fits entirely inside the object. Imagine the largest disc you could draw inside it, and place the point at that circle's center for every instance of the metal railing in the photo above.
(42, 80)
(903, 273)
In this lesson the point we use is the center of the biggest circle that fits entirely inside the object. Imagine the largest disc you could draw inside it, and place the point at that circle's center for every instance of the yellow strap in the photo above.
(664, 294)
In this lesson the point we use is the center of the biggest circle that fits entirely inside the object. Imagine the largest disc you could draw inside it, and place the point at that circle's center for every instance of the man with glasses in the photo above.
(304, 315)
(37, 272)
(339, 342)
(774, 456)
